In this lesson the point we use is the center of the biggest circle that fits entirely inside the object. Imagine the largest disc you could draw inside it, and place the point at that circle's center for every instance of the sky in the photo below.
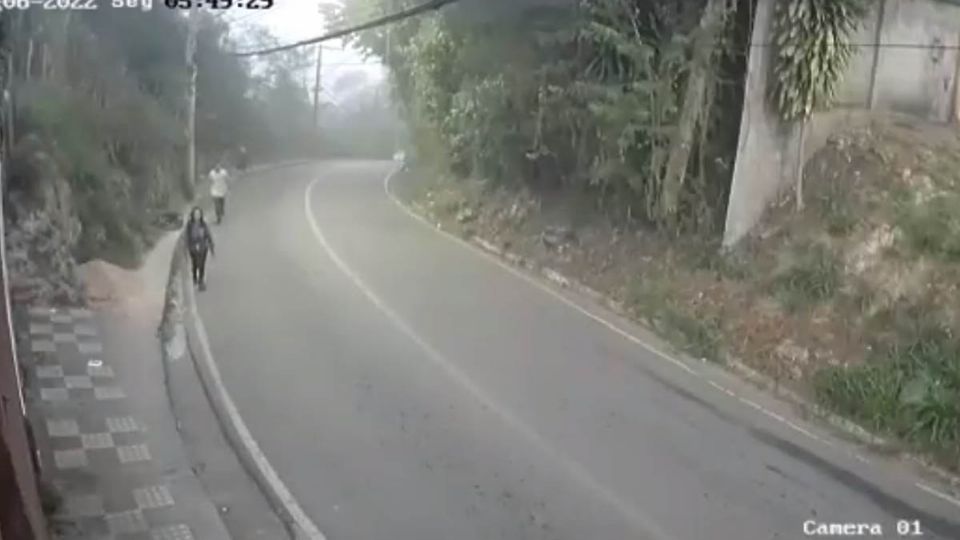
(295, 20)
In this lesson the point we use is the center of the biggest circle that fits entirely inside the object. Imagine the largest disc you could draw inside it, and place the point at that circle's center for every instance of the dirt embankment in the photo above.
(853, 302)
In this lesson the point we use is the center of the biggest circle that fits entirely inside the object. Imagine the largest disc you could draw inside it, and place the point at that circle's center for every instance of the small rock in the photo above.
(466, 215)
(557, 237)
(788, 350)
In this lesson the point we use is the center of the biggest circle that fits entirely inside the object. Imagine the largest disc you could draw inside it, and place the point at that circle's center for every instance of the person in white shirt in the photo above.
(218, 190)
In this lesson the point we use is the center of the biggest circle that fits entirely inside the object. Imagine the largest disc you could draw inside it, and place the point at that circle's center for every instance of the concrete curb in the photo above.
(183, 311)
(182, 321)
(846, 426)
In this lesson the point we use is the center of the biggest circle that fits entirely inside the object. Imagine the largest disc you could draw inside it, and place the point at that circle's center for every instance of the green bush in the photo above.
(910, 387)
(813, 275)
(932, 228)
(700, 336)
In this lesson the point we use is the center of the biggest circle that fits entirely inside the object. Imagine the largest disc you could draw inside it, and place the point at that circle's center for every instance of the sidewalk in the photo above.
(107, 438)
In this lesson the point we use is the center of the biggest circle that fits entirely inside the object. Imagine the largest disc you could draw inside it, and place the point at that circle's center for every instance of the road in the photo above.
(406, 387)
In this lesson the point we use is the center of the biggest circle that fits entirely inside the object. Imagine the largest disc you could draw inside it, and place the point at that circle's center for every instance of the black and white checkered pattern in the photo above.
(89, 434)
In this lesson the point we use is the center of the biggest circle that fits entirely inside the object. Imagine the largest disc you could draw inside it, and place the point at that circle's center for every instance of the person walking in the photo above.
(199, 243)
(218, 190)
(243, 161)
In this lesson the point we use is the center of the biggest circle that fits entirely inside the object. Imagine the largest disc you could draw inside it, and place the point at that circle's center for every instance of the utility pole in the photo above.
(192, 28)
(394, 5)
(316, 89)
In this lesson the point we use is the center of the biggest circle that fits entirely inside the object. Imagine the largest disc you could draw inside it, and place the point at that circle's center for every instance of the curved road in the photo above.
(406, 387)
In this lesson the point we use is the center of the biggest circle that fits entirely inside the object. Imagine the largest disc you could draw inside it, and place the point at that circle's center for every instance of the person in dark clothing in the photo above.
(199, 243)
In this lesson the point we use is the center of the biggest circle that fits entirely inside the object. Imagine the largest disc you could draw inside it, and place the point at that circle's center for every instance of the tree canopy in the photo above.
(585, 95)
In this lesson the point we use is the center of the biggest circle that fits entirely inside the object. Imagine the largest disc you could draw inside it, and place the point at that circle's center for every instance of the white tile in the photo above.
(171, 532)
(134, 453)
(38, 311)
(61, 318)
(83, 506)
(90, 347)
(122, 424)
(64, 337)
(49, 372)
(63, 428)
(78, 381)
(96, 441)
(152, 497)
(108, 392)
(40, 329)
(101, 371)
(70, 459)
(81, 313)
(54, 394)
(129, 522)
(43, 345)
(85, 330)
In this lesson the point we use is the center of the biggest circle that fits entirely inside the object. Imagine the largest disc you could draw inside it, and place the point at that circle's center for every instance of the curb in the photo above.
(181, 322)
(846, 426)
(298, 524)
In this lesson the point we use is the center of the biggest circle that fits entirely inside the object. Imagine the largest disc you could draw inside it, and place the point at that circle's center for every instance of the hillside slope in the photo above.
(853, 302)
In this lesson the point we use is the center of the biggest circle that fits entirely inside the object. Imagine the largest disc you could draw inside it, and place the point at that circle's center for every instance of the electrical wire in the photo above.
(431, 5)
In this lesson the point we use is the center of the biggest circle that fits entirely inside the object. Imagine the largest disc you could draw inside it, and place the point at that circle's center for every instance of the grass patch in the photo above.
(710, 256)
(835, 205)
(698, 335)
(932, 228)
(910, 387)
(812, 275)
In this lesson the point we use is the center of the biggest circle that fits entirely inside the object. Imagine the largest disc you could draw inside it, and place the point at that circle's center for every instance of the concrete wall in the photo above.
(764, 149)
(914, 71)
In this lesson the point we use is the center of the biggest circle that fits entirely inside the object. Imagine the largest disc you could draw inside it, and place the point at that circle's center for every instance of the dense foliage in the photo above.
(584, 97)
(104, 93)
(813, 48)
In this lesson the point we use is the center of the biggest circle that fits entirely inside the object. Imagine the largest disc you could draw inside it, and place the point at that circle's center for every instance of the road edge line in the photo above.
(505, 259)
(298, 524)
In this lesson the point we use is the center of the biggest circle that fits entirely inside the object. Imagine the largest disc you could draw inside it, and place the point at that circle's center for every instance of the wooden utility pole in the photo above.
(192, 28)
(316, 89)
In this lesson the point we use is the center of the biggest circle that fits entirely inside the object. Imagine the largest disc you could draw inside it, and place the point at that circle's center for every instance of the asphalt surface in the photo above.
(405, 387)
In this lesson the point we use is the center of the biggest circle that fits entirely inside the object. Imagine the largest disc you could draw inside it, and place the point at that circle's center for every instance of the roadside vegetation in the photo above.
(599, 142)
(863, 319)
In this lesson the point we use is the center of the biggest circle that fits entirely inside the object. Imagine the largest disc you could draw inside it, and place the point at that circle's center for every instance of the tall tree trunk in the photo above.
(60, 49)
(692, 107)
(798, 172)
(28, 66)
(45, 64)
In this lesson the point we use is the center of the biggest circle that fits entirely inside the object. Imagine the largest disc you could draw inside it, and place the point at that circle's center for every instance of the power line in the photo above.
(924, 46)
(430, 5)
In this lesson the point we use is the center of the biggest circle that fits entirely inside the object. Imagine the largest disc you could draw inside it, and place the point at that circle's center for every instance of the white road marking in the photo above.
(300, 518)
(771, 414)
(937, 493)
(639, 520)
(722, 389)
(806, 432)
(750, 403)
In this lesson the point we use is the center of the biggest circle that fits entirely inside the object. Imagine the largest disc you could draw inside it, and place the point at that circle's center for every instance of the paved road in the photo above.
(407, 388)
